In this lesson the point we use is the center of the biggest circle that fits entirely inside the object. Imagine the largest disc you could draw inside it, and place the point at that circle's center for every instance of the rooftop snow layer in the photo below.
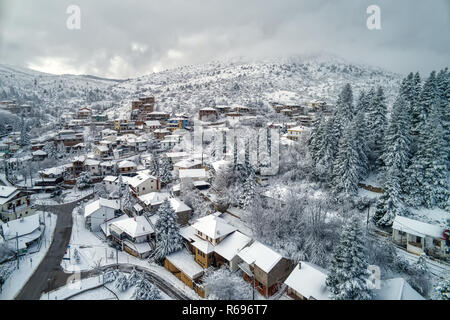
(309, 281)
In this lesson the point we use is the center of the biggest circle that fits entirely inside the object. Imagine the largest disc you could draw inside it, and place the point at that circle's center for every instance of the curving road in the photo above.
(49, 275)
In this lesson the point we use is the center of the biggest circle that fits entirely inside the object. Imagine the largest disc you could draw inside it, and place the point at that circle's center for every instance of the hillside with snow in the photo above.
(189, 88)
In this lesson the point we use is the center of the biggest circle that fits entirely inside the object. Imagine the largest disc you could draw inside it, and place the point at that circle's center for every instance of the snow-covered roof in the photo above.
(138, 207)
(417, 228)
(92, 162)
(53, 171)
(192, 173)
(213, 226)
(141, 247)
(309, 280)
(208, 109)
(154, 198)
(110, 178)
(396, 289)
(6, 191)
(185, 263)
(39, 153)
(261, 255)
(217, 165)
(102, 148)
(231, 245)
(152, 123)
(126, 164)
(23, 226)
(176, 154)
(187, 163)
(97, 204)
(297, 128)
(105, 226)
(178, 205)
(135, 227)
(140, 178)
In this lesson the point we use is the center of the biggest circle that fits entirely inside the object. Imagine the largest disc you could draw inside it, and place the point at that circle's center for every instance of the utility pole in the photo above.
(117, 258)
(367, 224)
(17, 251)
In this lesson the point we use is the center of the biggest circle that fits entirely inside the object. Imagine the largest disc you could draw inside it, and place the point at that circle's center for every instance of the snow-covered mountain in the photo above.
(188, 88)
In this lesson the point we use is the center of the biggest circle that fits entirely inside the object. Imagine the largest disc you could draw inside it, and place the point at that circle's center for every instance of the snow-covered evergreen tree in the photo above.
(347, 164)
(24, 132)
(168, 238)
(347, 277)
(165, 171)
(248, 193)
(222, 284)
(122, 282)
(395, 158)
(145, 290)
(154, 165)
(377, 123)
(428, 183)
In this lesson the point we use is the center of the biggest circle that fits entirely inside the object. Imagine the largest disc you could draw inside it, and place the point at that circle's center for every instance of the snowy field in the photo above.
(29, 262)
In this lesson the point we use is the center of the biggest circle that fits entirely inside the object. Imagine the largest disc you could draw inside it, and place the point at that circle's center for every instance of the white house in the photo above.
(143, 183)
(100, 211)
(110, 183)
(133, 234)
(419, 237)
(93, 166)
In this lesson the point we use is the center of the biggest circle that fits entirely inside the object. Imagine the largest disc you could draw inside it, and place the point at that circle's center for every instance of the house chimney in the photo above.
(299, 265)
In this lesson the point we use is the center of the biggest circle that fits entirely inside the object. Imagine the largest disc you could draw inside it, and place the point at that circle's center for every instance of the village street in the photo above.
(49, 274)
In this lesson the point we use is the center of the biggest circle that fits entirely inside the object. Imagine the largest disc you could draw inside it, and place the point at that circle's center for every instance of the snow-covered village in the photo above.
(308, 177)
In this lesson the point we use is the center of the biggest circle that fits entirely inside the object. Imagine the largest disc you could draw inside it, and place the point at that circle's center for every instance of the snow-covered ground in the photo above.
(29, 262)
(94, 251)
(87, 292)
(74, 194)
(43, 199)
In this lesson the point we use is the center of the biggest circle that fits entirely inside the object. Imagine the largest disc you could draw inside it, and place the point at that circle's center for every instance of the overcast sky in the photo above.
(121, 39)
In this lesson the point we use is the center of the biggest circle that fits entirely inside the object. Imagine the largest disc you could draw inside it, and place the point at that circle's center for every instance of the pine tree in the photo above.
(249, 191)
(347, 278)
(377, 125)
(361, 144)
(396, 159)
(327, 150)
(145, 290)
(24, 135)
(154, 165)
(427, 183)
(168, 238)
(165, 171)
(347, 165)
(422, 107)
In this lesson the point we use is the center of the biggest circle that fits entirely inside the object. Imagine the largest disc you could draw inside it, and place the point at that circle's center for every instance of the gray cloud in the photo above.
(130, 38)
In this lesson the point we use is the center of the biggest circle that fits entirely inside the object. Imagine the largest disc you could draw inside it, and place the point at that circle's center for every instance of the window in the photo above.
(437, 242)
